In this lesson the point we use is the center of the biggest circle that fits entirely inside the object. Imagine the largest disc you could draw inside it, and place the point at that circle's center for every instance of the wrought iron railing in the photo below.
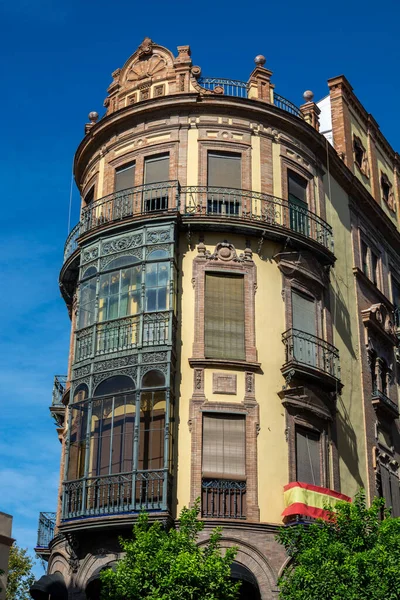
(307, 349)
(377, 395)
(59, 385)
(149, 329)
(396, 318)
(112, 494)
(254, 206)
(223, 499)
(283, 104)
(47, 523)
(139, 200)
(228, 87)
(72, 242)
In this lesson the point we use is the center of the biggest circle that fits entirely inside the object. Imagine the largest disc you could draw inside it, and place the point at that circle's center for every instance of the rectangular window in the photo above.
(396, 300)
(224, 454)
(224, 324)
(375, 268)
(358, 152)
(390, 490)
(298, 208)
(124, 177)
(156, 172)
(304, 321)
(364, 258)
(308, 461)
(119, 293)
(224, 171)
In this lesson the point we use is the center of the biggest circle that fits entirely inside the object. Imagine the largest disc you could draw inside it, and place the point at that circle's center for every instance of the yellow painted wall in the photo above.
(269, 307)
(350, 421)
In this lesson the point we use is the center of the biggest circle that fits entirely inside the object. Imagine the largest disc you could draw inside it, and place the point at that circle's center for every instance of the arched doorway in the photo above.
(249, 589)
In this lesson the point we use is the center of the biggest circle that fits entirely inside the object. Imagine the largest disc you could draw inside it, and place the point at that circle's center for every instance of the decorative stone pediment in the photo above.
(302, 266)
(380, 320)
(225, 252)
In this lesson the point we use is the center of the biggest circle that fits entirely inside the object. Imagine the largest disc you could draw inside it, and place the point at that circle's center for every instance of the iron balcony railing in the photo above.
(139, 200)
(240, 89)
(137, 331)
(223, 499)
(59, 385)
(382, 398)
(72, 241)
(247, 205)
(307, 349)
(47, 523)
(113, 494)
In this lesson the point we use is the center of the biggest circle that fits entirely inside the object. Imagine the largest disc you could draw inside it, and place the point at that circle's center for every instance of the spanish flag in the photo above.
(309, 500)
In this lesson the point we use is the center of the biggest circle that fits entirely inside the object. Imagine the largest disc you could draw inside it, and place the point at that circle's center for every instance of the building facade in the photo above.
(232, 286)
(6, 542)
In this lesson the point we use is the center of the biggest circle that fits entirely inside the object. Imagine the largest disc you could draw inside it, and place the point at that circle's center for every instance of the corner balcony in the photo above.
(57, 408)
(127, 333)
(117, 495)
(223, 499)
(47, 523)
(383, 402)
(310, 357)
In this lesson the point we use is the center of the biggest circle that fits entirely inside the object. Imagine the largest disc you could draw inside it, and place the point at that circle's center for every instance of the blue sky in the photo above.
(56, 60)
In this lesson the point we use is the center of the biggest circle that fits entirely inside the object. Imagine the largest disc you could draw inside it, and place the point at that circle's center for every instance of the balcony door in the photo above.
(156, 174)
(304, 329)
(124, 181)
(224, 180)
(298, 207)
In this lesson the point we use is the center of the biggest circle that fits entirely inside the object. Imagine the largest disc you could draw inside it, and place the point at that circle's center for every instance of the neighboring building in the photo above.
(6, 542)
(210, 308)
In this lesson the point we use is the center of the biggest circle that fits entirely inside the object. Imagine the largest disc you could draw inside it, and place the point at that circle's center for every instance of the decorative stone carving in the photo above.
(155, 237)
(226, 252)
(379, 319)
(224, 383)
(199, 380)
(123, 243)
(115, 363)
(146, 48)
(250, 384)
(89, 254)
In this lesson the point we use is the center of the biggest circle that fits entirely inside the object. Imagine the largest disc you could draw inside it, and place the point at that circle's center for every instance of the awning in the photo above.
(49, 585)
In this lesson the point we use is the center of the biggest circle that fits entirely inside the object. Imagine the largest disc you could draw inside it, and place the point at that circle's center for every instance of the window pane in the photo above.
(151, 275)
(152, 425)
(87, 303)
(156, 169)
(224, 170)
(151, 299)
(125, 177)
(113, 385)
(308, 457)
(224, 327)
(224, 454)
(297, 187)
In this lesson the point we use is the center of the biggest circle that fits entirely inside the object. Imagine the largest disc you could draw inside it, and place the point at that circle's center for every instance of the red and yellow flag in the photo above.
(309, 500)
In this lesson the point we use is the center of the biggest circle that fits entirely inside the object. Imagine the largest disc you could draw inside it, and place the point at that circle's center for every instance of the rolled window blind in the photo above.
(224, 170)
(224, 327)
(395, 489)
(156, 169)
(303, 314)
(297, 187)
(224, 454)
(385, 483)
(308, 457)
(125, 177)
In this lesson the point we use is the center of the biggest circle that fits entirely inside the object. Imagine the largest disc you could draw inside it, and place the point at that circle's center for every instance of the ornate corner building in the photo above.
(222, 345)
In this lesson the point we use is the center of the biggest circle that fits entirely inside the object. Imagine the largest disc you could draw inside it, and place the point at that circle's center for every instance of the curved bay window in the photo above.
(118, 462)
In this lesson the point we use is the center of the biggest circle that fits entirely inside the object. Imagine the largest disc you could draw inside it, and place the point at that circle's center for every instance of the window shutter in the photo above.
(308, 462)
(156, 169)
(224, 453)
(224, 170)
(224, 316)
(385, 483)
(297, 187)
(125, 177)
(303, 314)
(395, 489)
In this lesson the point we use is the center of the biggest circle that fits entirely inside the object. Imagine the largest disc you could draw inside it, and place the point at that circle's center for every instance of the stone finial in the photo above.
(260, 60)
(93, 117)
(308, 96)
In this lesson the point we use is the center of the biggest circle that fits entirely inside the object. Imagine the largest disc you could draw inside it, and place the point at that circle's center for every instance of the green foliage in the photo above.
(169, 565)
(20, 576)
(356, 556)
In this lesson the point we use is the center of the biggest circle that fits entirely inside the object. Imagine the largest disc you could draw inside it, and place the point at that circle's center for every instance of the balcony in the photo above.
(310, 357)
(116, 494)
(119, 335)
(193, 203)
(240, 89)
(223, 499)
(382, 401)
(57, 408)
(47, 523)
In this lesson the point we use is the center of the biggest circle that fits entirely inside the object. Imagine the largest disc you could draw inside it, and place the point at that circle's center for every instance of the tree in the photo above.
(20, 576)
(169, 565)
(353, 556)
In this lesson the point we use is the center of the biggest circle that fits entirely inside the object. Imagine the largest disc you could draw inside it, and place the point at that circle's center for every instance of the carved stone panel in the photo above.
(224, 383)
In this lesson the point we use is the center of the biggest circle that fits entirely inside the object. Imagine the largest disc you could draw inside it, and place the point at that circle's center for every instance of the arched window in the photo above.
(152, 421)
(157, 280)
(119, 293)
(157, 254)
(89, 272)
(111, 427)
(81, 393)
